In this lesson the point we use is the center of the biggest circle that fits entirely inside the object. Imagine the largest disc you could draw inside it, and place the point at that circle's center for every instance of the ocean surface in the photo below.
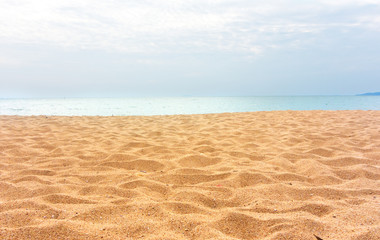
(181, 105)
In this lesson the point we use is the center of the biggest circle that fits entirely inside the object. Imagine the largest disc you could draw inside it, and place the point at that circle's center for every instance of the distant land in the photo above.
(370, 94)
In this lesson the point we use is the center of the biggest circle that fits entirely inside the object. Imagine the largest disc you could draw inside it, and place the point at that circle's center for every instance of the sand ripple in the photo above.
(265, 175)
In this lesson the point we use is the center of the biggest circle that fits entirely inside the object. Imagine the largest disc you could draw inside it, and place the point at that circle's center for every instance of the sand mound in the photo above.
(265, 175)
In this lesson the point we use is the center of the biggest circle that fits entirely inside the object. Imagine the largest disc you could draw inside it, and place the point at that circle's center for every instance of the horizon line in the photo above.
(191, 96)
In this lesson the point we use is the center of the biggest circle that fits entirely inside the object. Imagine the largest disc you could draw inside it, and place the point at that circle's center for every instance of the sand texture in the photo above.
(265, 175)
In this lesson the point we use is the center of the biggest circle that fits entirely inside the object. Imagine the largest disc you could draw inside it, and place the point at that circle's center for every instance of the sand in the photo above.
(263, 175)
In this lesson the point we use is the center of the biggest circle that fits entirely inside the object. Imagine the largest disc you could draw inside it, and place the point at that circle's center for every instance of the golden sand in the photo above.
(264, 175)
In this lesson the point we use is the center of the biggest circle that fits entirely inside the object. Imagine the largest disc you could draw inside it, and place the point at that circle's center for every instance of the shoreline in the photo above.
(169, 106)
(196, 114)
(289, 174)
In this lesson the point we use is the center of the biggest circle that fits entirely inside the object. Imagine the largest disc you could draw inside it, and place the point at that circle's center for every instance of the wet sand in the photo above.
(261, 175)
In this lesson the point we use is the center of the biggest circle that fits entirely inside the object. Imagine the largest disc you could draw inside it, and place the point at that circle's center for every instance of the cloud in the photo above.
(148, 26)
(9, 62)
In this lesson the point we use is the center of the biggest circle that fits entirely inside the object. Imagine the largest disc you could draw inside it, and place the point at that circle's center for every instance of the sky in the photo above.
(165, 48)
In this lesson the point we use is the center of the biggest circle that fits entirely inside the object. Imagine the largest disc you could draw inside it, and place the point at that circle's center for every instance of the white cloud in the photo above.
(9, 62)
(371, 21)
(341, 3)
(169, 25)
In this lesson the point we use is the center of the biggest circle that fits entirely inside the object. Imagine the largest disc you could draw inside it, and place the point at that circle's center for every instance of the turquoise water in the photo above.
(185, 105)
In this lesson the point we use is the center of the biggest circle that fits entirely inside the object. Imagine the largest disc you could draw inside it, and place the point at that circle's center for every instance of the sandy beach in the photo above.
(277, 175)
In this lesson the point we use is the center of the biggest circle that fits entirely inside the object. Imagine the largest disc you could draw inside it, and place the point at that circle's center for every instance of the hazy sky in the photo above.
(120, 48)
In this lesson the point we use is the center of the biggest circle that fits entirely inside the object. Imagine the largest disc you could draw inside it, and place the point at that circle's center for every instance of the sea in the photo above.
(181, 105)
